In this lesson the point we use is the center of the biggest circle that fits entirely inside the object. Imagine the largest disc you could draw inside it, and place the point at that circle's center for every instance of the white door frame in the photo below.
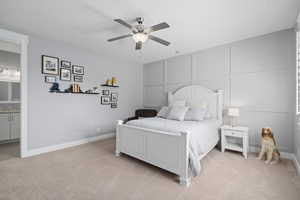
(22, 41)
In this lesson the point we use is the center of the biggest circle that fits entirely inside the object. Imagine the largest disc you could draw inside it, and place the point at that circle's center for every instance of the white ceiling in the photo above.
(195, 24)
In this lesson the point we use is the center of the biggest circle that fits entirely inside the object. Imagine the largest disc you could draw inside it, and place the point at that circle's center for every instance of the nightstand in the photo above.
(235, 132)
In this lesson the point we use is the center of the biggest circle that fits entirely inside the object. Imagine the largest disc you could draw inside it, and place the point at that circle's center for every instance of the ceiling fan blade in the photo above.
(158, 27)
(138, 45)
(118, 38)
(120, 21)
(159, 40)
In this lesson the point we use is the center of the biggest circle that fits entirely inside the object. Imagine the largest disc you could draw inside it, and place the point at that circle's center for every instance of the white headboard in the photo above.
(196, 96)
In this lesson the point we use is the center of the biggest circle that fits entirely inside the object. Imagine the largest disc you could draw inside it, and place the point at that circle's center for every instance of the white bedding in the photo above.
(203, 135)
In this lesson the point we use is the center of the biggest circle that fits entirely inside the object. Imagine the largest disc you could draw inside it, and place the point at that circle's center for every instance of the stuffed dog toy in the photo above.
(268, 147)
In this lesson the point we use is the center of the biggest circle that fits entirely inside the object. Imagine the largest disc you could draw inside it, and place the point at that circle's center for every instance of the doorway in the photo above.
(10, 95)
(13, 95)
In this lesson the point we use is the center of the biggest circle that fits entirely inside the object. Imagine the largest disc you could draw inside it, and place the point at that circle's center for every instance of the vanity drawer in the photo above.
(233, 133)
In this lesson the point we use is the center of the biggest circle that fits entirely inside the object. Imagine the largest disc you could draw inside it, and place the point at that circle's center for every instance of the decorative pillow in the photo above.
(177, 113)
(195, 114)
(179, 103)
(163, 113)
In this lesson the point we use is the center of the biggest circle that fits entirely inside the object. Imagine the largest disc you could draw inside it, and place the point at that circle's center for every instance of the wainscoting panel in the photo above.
(154, 73)
(281, 124)
(178, 70)
(154, 96)
(173, 87)
(210, 63)
(257, 75)
(265, 53)
(215, 84)
(264, 91)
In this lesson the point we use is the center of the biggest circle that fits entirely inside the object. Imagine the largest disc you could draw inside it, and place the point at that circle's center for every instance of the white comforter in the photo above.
(203, 135)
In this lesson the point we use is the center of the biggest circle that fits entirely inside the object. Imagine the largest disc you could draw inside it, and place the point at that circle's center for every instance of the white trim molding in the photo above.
(296, 163)
(22, 41)
(48, 149)
(285, 155)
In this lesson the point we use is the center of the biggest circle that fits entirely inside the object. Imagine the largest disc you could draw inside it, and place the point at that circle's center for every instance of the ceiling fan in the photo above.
(140, 33)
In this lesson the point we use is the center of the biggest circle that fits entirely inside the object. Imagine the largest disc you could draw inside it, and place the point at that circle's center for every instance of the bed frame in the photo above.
(168, 150)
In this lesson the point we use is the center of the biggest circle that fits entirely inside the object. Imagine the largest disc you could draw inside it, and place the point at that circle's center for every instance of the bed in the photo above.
(176, 146)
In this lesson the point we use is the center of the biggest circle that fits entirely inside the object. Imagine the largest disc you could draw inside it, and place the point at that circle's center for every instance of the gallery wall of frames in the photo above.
(55, 70)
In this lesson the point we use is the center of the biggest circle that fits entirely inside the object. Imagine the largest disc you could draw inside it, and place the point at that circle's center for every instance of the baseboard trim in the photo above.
(296, 163)
(42, 150)
(285, 155)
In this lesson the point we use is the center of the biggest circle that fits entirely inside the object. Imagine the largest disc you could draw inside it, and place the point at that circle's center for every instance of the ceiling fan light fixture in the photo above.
(140, 37)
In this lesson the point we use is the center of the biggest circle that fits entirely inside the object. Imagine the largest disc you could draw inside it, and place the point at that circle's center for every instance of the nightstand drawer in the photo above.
(233, 133)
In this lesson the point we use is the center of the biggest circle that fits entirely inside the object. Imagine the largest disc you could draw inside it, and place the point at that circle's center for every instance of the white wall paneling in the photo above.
(178, 70)
(256, 74)
(154, 73)
(154, 96)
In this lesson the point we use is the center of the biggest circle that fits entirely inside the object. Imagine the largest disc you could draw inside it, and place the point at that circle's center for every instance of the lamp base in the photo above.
(233, 122)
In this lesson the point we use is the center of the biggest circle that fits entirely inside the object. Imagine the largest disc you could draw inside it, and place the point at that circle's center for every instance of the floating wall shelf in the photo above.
(73, 93)
(105, 85)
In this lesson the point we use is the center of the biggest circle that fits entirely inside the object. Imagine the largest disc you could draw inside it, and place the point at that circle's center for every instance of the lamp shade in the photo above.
(233, 112)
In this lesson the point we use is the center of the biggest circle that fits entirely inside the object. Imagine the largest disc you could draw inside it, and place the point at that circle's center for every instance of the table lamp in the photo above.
(233, 113)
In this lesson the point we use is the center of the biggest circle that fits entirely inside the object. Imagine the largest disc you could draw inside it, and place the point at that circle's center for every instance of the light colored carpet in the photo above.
(92, 171)
(9, 151)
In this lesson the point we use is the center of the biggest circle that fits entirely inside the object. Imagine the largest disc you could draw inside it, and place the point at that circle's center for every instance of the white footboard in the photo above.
(166, 150)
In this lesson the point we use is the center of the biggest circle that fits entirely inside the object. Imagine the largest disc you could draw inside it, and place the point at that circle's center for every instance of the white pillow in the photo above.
(195, 114)
(163, 113)
(179, 103)
(204, 105)
(177, 113)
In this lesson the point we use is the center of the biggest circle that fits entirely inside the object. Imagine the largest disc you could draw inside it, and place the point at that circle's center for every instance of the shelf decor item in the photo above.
(65, 74)
(95, 89)
(69, 90)
(76, 88)
(113, 81)
(105, 100)
(110, 82)
(234, 113)
(54, 88)
(50, 79)
(65, 64)
(78, 70)
(50, 65)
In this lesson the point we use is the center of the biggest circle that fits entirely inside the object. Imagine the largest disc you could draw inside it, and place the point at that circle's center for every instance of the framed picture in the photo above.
(114, 105)
(50, 79)
(114, 97)
(105, 92)
(50, 65)
(65, 74)
(105, 100)
(78, 78)
(65, 64)
(79, 70)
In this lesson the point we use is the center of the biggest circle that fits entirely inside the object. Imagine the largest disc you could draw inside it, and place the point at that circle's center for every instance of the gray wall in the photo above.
(257, 74)
(58, 118)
